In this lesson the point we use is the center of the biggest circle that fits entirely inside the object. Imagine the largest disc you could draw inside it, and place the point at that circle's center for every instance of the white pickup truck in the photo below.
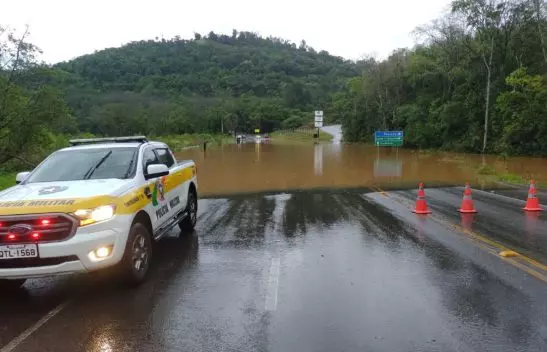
(97, 204)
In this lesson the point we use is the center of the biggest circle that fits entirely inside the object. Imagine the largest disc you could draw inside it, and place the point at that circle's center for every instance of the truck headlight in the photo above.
(91, 216)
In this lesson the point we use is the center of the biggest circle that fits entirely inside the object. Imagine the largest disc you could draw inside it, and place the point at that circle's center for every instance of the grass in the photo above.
(486, 170)
(493, 174)
(182, 141)
(300, 135)
(7, 180)
(512, 178)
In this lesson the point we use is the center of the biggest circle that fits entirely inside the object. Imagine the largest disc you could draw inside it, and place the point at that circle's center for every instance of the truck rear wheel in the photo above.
(189, 222)
(137, 255)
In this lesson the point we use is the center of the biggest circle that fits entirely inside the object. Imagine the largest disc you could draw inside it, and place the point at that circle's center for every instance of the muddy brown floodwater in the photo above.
(232, 169)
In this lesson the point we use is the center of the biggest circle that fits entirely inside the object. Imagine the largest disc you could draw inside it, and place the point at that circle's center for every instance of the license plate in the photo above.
(14, 251)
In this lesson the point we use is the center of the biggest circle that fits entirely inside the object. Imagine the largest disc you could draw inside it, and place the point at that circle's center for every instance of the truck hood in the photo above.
(61, 197)
(64, 190)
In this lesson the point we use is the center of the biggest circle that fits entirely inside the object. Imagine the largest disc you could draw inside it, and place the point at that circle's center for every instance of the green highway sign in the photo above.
(388, 138)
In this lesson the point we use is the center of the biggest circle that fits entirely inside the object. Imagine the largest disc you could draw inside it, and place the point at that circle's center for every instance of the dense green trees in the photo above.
(523, 114)
(28, 115)
(207, 84)
(478, 83)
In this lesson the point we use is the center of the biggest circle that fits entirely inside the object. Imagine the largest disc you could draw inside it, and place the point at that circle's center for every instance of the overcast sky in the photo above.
(66, 29)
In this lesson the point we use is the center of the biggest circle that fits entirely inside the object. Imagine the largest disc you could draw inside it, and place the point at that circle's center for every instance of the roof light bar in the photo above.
(139, 139)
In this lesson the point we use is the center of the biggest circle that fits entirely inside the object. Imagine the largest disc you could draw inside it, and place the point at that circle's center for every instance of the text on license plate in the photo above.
(14, 251)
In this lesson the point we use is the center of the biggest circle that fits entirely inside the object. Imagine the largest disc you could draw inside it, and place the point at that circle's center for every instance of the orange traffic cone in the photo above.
(466, 220)
(532, 203)
(467, 202)
(421, 203)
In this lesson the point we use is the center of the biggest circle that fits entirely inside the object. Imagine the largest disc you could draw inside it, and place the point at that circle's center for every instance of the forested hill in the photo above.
(238, 82)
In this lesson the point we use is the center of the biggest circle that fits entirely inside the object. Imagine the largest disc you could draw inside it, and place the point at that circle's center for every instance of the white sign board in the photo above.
(318, 118)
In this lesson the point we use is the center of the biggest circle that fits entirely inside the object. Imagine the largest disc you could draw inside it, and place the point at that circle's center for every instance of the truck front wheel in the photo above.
(137, 255)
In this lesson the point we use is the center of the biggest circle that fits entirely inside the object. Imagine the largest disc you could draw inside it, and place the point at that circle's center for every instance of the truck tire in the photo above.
(189, 222)
(137, 256)
(11, 285)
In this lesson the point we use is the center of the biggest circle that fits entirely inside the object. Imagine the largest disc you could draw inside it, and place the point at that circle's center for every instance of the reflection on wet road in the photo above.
(304, 271)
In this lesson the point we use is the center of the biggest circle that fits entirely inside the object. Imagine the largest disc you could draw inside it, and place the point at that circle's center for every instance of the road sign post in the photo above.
(388, 138)
(318, 122)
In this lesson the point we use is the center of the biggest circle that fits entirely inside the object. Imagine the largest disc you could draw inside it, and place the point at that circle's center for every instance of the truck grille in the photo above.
(36, 228)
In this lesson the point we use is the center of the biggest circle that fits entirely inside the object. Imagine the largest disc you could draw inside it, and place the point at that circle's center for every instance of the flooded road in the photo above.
(301, 271)
(246, 168)
(314, 248)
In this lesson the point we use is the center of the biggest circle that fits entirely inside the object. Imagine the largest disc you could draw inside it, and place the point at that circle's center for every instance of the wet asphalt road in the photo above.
(335, 131)
(309, 271)
(499, 217)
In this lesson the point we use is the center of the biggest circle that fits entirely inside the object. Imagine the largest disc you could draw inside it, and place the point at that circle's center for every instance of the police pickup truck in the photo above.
(96, 204)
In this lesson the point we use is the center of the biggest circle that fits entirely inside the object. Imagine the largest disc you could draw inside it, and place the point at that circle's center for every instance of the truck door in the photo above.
(176, 188)
(155, 191)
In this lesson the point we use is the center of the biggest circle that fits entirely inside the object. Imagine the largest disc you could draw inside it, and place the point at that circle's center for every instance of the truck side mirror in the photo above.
(22, 176)
(156, 170)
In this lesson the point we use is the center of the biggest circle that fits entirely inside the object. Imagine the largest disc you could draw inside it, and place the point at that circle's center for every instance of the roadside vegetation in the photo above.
(7, 179)
(476, 83)
(209, 84)
(513, 178)
(182, 141)
(486, 170)
(490, 173)
(299, 135)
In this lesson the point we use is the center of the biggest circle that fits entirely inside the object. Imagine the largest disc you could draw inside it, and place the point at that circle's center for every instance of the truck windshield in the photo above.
(84, 164)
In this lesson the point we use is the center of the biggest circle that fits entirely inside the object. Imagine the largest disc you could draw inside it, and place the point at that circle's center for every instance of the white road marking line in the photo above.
(25, 334)
(273, 285)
